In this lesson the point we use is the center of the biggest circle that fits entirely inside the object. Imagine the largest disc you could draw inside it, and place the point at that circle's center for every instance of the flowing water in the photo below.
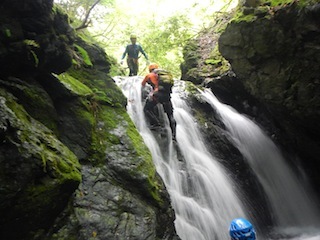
(290, 197)
(201, 190)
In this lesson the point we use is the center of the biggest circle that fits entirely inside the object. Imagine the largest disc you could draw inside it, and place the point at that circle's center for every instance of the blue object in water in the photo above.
(241, 229)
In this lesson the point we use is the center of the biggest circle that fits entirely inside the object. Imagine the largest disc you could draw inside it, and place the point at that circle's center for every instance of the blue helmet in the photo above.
(241, 229)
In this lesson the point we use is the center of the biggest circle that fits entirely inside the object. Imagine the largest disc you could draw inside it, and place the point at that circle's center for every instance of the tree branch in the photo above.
(85, 23)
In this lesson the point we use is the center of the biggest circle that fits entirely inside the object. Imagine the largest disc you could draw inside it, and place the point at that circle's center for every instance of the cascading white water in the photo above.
(201, 193)
(209, 202)
(291, 199)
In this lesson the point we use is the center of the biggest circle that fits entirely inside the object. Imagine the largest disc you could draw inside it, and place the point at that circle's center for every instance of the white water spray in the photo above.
(291, 198)
(201, 193)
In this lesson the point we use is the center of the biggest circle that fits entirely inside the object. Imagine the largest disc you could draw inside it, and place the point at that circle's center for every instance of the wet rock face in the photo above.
(38, 173)
(104, 210)
(273, 76)
(50, 124)
(276, 57)
(33, 38)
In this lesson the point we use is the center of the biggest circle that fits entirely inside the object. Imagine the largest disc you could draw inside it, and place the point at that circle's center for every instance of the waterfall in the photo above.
(290, 197)
(201, 193)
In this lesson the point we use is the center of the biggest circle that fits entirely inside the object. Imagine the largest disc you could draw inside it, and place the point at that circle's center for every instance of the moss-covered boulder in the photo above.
(273, 50)
(38, 173)
(276, 56)
(119, 179)
(202, 59)
(33, 36)
(72, 164)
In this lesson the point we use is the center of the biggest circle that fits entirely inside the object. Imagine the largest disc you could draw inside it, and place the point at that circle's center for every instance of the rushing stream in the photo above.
(201, 190)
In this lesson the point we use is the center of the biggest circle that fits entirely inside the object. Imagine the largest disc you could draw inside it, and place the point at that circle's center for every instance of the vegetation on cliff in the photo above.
(68, 147)
(73, 165)
(272, 49)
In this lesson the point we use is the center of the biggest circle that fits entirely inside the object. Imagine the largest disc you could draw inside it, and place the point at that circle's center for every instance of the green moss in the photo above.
(38, 104)
(53, 164)
(86, 37)
(107, 115)
(63, 165)
(110, 117)
(14, 106)
(58, 10)
(274, 3)
(101, 97)
(213, 61)
(136, 141)
(147, 166)
(84, 55)
(219, 64)
(31, 43)
(74, 85)
(106, 119)
(240, 17)
(191, 88)
(7, 32)
(251, 14)
(40, 195)
(86, 115)
(82, 75)
(105, 91)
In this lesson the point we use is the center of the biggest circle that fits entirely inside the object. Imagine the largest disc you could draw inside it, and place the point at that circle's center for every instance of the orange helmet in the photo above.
(153, 66)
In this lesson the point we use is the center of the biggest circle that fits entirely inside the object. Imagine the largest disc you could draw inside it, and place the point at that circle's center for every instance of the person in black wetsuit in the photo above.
(158, 95)
(133, 50)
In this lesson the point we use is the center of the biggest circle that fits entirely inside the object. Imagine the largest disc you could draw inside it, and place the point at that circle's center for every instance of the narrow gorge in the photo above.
(74, 163)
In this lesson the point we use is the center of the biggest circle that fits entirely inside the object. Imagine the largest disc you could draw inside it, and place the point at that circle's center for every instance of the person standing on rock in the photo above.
(132, 51)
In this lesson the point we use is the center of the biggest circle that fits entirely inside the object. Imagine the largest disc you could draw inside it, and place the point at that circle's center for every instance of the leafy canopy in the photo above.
(163, 27)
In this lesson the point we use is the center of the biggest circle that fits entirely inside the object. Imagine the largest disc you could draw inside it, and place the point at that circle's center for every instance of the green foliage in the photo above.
(163, 38)
(79, 10)
(165, 41)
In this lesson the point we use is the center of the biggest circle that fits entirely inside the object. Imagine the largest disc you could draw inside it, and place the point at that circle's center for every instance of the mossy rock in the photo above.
(84, 56)
(73, 85)
(34, 99)
(117, 141)
(38, 173)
